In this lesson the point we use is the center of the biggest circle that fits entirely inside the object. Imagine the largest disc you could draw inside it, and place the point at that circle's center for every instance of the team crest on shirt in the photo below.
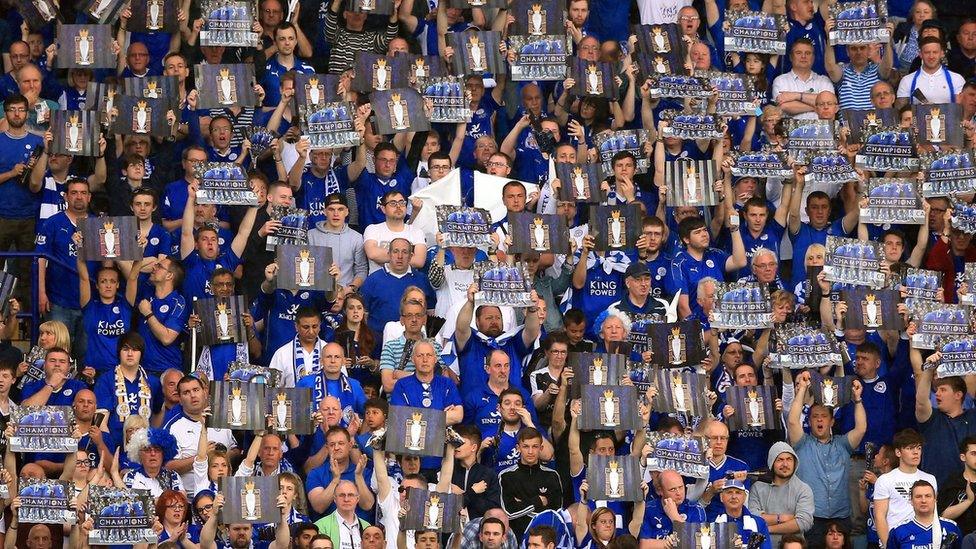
(764, 237)
(154, 241)
(880, 387)
(303, 295)
(164, 308)
(709, 263)
(115, 309)
(661, 271)
(41, 239)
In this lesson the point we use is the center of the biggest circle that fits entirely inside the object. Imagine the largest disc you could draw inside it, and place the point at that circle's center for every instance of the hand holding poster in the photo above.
(757, 32)
(477, 52)
(682, 453)
(140, 116)
(956, 356)
(237, 405)
(373, 7)
(677, 344)
(829, 167)
(613, 478)
(864, 22)
(229, 23)
(75, 133)
(832, 392)
(680, 392)
(224, 183)
(104, 12)
(861, 121)
(872, 309)
(426, 510)
(154, 16)
(887, 148)
(85, 47)
(221, 319)
(415, 431)
(538, 17)
(593, 79)
(302, 267)
(755, 408)
(251, 373)
(121, 516)
(706, 535)
(742, 306)
(400, 110)
(579, 182)
(293, 228)
(45, 501)
(596, 369)
(38, 13)
(947, 173)
(378, 72)
(223, 86)
(609, 408)
(691, 125)
(290, 409)
(939, 319)
(250, 500)
(963, 216)
(464, 227)
(852, 261)
(619, 229)
(893, 200)
(110, 238)
(809, 135)
(47, 429)
(677, 86)
(331, 126)
(450, 99)
(765, 163)
(313, 91)
(737, 95)
(538, 233)
(503, 285)
(801, 346)
(540, 58)
(922, 285)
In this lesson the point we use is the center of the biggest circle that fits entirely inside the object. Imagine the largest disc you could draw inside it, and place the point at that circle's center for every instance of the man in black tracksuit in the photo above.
(478, 481)
(529, 488)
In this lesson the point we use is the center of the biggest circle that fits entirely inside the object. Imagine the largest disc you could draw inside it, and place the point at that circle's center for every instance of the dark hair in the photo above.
(906, 438)
(284, 25)
(921, 483)
(840, 527)
(221, 271)
(16, 99)
(893, 232)
(558, 336)
(379, 404)
(469, 433)
(176, 268)
(802, 40)
(755, 202)
(187, 378)
(512, 184)
(574, 316)
(547, 533)
(490, 520)
(386, 196)
(792, 538)
(132, 340)
(529, 433)
(963, 446)
(191, 148)
(439, 155)
(145, 191)
(930, 40)
(689, 225)
(667, 423)
(819, 195)
(955, 383)
(385, 146)
(132, 159)
(870, 348)
(624, 541)
(307, 312)
(622, 155)
(53, 350)
(336, 429)
(220, 117)
(510, 391)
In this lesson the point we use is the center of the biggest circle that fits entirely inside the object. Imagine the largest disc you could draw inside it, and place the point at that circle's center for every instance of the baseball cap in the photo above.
(637, 269)
(336, 198)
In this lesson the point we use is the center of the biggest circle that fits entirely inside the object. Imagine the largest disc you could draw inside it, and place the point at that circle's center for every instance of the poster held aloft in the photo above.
(110, 238)
(303, 268)
(237, 405)
(75, 133)
(613, 478)
(221, 319)
(251, 500)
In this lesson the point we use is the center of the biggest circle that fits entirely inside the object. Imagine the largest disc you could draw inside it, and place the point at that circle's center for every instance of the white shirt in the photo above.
(659, 12)
(934, 86)
(896, 486)
(791, 82)
(187, 434)
(381, 234)
(349, 535)
(283, 360)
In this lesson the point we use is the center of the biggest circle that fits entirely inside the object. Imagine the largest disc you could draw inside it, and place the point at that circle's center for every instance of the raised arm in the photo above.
(462, 329)
(187, 240)
(794, 422)
(244, 231)
(923, 386)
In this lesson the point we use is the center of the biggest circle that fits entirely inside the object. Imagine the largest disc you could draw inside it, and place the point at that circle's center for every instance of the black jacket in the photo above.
(477, 504)
(522, 489)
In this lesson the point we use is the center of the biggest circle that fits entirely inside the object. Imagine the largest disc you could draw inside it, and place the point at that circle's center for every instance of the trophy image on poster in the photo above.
(286, 406)
(109, 238)
(303, 267)
(84, 48)
(249, 499)
(415, 431)
(221, 319)
(75, 133)
(706, 535)
(238, 405)
(435, 511)
(678, 346)
(615, 478)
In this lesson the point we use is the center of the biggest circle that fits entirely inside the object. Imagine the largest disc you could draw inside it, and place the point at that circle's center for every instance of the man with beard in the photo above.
(670, 508)
(473, 346)
(825, 456)
(185, 428)
(483, 401)
(500, 434)
(58, 290)
(786, 503)
(17, 204)
(239, 535)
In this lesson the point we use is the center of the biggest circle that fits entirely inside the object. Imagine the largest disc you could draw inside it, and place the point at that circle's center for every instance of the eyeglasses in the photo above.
(689, 18)
(497, 165)
(396, 203)
(176, 507)
(413, 315)
(204, 508)
(15, 109)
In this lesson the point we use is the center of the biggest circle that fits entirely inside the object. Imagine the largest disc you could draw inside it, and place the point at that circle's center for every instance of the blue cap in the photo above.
(735, 483)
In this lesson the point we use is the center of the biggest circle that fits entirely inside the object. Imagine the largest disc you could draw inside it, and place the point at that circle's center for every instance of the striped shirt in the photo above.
(397, 354)
(347, 43)
(854, 90)
(244, 119)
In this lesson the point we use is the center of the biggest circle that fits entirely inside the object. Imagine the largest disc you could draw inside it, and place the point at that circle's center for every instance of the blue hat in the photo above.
(735, 483)
(637, 269)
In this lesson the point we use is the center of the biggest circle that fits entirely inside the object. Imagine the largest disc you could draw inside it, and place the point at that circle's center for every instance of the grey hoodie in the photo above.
(793, 498)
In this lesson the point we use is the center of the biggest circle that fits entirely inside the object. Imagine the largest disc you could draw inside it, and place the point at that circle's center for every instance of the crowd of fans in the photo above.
(895, 467)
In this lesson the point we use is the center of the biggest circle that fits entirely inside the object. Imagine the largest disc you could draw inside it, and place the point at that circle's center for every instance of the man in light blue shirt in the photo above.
(825, 457)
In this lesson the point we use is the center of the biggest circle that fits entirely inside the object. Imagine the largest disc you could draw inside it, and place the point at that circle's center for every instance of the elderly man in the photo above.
(734, 495)
(796, 91)
(29, 83)
(785, 503)
(239, 535)
(882, 95)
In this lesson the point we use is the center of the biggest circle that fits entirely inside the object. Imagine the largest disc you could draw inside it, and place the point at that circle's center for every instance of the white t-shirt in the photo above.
(659, 12)
(381, 234)
(935, 86)
(895, 486)
(187, 434)
(791, 82)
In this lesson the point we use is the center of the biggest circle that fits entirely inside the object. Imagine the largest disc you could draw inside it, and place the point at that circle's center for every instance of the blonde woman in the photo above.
(52, 333)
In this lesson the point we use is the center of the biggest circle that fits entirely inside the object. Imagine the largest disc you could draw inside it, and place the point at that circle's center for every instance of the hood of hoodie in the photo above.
(777, 449)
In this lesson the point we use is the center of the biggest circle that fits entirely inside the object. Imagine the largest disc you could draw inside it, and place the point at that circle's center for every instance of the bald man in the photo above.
(29, 83)
(673, 506)
(332, 380)
(39, 537)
